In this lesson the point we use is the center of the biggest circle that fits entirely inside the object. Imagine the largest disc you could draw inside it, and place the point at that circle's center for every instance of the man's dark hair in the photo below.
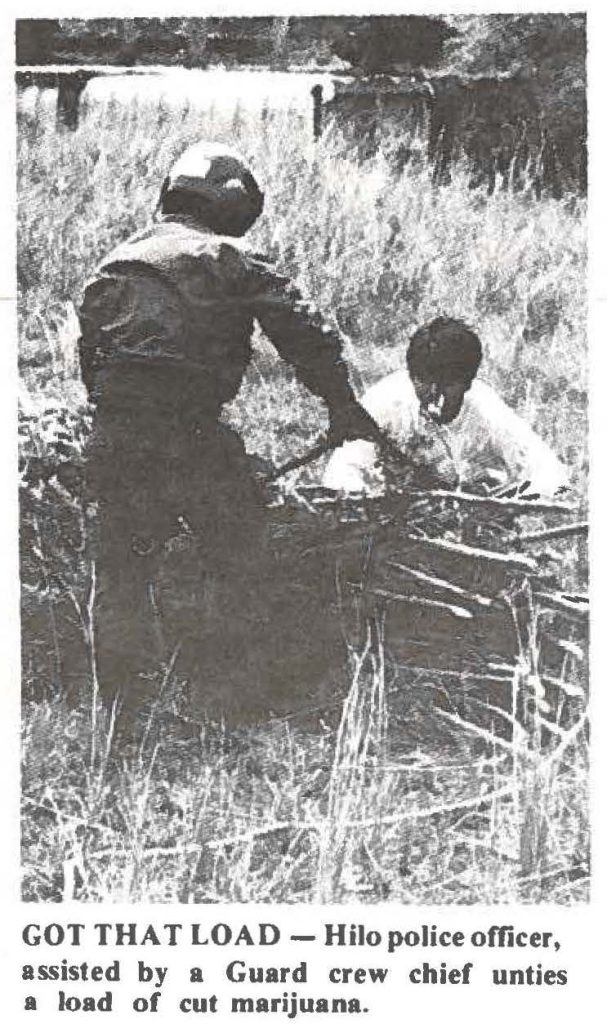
(445, 350)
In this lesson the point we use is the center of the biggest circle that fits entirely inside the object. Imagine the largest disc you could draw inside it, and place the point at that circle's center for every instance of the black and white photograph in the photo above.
(303, 459)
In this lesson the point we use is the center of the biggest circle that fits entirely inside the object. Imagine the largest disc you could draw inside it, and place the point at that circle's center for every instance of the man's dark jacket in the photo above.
(169, 318)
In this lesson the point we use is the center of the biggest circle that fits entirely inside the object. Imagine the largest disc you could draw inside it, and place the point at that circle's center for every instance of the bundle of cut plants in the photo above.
(466, 586)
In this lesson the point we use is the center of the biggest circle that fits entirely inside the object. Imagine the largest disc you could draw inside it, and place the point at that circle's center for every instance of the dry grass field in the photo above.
(363, 807)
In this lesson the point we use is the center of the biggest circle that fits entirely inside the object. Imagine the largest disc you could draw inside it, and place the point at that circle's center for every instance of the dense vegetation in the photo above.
(432, 811)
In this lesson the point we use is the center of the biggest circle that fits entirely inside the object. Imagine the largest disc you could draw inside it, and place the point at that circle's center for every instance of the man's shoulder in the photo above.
(179, 256)
(195, 262)
(481, 391)
(488, 416)
(485, 401)
(161, 243)
(185, 238)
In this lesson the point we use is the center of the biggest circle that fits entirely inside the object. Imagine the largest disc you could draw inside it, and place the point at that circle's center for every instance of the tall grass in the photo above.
(436, 811)
(379, 251)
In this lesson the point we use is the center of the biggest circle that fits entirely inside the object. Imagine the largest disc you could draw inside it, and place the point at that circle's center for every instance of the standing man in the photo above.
(166, 328)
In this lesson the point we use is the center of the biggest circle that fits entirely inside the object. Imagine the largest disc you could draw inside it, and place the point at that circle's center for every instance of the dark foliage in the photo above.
(369, 44)
(37, 40)
(389, 44)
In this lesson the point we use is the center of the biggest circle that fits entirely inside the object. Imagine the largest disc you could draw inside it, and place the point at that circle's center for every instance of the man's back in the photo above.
(171, 305)
(169, 316)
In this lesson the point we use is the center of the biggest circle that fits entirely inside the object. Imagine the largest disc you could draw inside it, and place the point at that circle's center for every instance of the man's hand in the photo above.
(352, 424)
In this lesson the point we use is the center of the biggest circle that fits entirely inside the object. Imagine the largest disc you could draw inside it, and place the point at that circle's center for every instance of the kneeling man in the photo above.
(454, 429)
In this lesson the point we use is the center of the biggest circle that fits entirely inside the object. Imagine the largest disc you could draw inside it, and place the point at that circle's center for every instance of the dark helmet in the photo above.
(212, 184)
(444, 351)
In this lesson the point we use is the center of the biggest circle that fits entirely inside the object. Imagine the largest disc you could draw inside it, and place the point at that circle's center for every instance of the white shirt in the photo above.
(487, 440)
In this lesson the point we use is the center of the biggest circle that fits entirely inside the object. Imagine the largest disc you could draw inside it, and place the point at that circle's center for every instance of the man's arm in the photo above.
(315, 351)
(524, 455)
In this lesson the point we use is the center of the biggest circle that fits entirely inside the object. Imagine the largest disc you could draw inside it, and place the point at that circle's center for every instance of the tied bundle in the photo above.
(477, 591)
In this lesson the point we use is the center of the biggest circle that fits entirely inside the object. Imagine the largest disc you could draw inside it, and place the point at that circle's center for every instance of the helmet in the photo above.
(213, 185)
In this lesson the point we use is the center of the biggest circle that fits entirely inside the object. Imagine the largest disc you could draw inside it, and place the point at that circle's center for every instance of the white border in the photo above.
(582, 926)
